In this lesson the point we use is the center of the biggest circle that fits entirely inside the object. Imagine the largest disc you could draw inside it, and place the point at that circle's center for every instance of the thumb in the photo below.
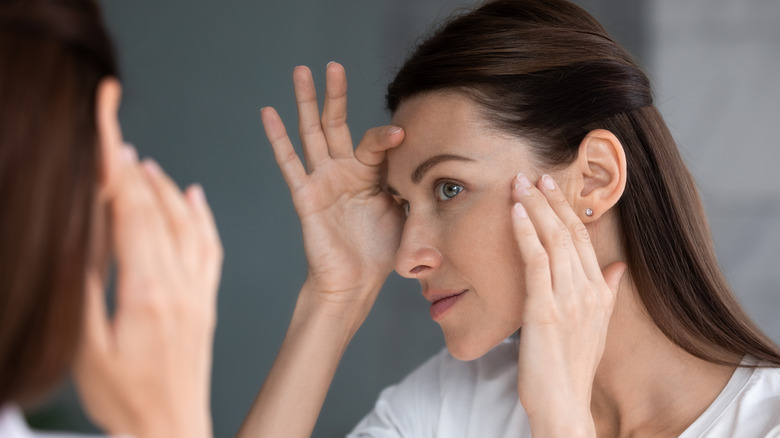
(613, 273)
(375, 143)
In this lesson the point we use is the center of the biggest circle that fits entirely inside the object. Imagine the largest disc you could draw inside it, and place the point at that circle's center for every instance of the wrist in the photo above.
(342, 311)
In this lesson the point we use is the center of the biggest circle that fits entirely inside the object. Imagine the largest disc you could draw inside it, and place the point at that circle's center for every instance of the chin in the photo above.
(468, 348)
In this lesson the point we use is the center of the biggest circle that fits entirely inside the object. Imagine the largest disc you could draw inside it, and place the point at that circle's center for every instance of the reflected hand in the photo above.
(351, 228)
(146, 371)
(567, 309)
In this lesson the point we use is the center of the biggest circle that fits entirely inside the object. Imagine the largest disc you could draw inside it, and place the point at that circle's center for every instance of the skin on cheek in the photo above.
(484, 255)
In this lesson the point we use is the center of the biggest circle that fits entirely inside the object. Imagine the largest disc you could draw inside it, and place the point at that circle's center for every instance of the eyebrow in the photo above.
(427, 165)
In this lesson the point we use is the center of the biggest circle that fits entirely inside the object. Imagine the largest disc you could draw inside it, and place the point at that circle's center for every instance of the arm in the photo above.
(351, 230)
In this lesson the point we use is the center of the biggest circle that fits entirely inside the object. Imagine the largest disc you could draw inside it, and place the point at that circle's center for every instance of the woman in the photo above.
(75, 199)
(543, 194)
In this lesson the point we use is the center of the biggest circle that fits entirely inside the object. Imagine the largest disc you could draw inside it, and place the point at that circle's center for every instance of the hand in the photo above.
(351, 228)
(146, 371)
(567, 309)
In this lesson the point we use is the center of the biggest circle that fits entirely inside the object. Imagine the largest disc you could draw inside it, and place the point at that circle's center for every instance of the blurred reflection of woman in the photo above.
(75, 199)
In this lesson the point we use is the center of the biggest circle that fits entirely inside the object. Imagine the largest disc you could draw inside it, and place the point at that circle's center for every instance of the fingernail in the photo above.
(129, 154)
(522, 185)
(395, 130)
(197, 194)
(548, 182)
(329, 63)
(151, 167)
(520, 210)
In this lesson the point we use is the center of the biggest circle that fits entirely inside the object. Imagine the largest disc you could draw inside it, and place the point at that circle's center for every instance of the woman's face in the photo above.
(453, 174)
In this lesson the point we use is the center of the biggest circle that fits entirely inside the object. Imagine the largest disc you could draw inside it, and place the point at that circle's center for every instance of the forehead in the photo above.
(449, 123)
(433, 118)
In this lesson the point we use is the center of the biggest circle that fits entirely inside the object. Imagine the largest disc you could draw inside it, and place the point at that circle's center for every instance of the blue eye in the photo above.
(447, 190)
(405, 206)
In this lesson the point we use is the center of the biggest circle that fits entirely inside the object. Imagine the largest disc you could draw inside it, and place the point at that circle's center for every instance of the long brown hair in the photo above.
(52, 56)
(548, 71)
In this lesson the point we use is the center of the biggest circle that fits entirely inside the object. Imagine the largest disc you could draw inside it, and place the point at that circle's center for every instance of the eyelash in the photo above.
(440, 187)
(438, 193)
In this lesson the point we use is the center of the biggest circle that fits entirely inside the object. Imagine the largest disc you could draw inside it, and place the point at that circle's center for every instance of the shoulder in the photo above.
(749, 405)
(760, 397)
(755, 411)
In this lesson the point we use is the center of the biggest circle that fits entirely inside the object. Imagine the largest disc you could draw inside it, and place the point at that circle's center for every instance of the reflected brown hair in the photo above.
(52, 56)
(547, 71)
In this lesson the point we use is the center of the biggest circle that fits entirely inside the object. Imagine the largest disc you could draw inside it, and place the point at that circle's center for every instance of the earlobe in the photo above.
(109, 132)
(601, 163)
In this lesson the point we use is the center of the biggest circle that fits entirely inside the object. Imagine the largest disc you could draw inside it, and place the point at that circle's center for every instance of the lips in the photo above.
(442, 301)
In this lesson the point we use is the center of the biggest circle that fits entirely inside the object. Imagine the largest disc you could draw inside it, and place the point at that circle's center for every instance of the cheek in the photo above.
(497, 242)
(487, 253)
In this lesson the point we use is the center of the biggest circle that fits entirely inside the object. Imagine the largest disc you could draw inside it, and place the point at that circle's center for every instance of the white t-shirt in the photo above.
(448, 398)
(12, 425)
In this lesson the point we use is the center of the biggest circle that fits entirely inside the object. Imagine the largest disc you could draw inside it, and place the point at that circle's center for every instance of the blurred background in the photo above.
(197, 72)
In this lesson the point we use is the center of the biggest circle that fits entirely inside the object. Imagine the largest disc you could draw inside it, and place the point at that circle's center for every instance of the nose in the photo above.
(417, 254)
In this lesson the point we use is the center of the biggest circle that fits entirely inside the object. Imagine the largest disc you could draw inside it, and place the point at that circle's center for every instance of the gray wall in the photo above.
(196, 74)
(715, 65)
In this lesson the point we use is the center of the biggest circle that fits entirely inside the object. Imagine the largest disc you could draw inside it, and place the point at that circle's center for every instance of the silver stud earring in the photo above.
(588, 212)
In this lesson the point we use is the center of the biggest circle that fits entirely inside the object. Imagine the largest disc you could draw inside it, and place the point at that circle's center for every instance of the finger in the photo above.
(551, 232)
(537, 265)
(579, 234)
(315, 146)
(286, 158)
(95, 337)
(373, 147)
(141, 241)
(211, 251)
(334, 112)
(175, 211)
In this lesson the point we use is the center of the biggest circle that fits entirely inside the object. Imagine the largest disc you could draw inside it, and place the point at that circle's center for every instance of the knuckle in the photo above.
(371, 135)
(579, 232)
(211, 246)
(548, 315)
(559, 202)
(334, 121)
(181, 224)
(290, 157)
(310, 128)
(574, 307)
(538, 259)
(563, 239)
(526, 232)
(588, 299)
(149, 297)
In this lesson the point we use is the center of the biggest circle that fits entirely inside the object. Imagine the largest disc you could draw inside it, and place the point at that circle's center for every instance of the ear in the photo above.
(599, 175)
(109, 132)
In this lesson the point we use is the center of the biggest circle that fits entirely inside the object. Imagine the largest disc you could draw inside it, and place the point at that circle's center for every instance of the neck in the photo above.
(645, 384)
